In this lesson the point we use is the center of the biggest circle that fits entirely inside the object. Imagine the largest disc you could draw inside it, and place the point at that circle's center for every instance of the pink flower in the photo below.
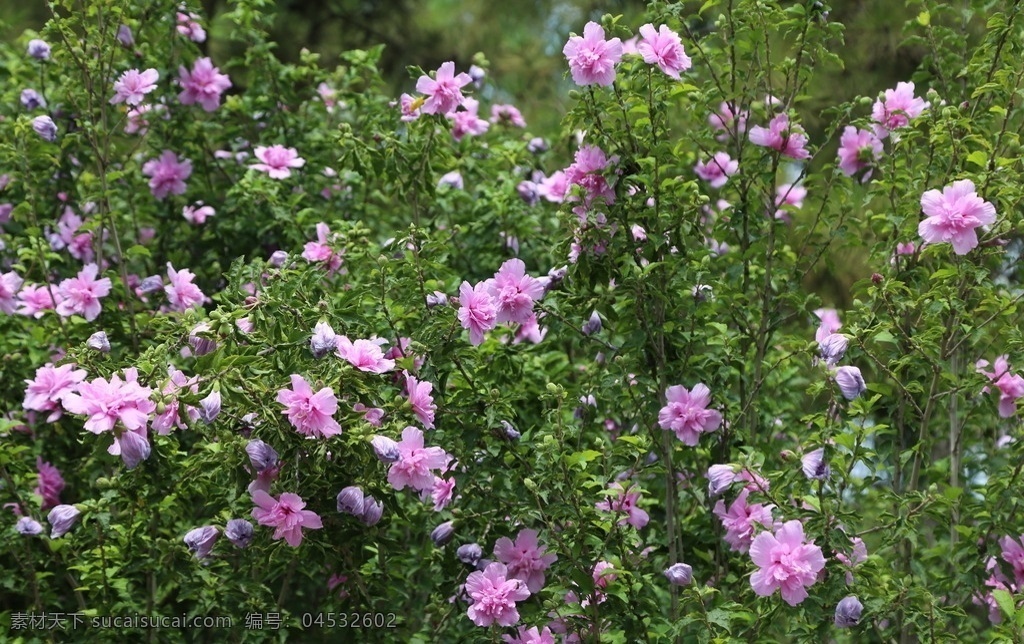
(420, 400)
(310, 414)
(1013, 554)
(51, 384)
(190, 28)
(728, 119)
(788, 195)
(415, 462)
(896, 109)
(1011, 388)
(50, 484)
(467, 121)
(718, 170)
(203, 85)
(365, 355)
(954, 215)
(277, 161)
(781, 136)
(285, 515)
(198, 213)
(10, 283)
(830, 323)
(444, 91)
(785, 562)
(166, 174)
(625, 501)
(477, 311)
(133, 86)
(514, 292)
(591, 58)
(171, 417)
(526, 558)
(494, 596)
(741, 519)
(532, 635)
(508, 114)
(553, 188)
(82, 294)
(181, 292)
(320, 250)
(34, 299)
(686, 413)
(664, 49)
(107, 402)
(590, 161)
(410, 107)
(858, 150)
(442, 493)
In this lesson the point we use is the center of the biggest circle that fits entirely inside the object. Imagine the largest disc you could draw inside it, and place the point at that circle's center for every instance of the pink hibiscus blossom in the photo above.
(625, 501)
(788, 195)
(420, 400)
(494, 596)
(858, 150)
(277, 161)
(686, 413)
(285, 515)
(477, 310)
(507, 114)
(133, 85)
(107, 402)
(415, 462)
(954, 215)
(790, 140)
(741, 519)
(310, 414)
(35, 299)
(444, 91)
(166, 174)
(664, 49)
(585, 171)
(830, 323)
(49, 387)
(514, 292)
(170, 418)
(10, 283)
(365, 355)
(50, 484)
(553, 188)
(728, 119)
(467, 121)
(718, 170)
(785, 562)
(181, 292)
(532, 635)
(82, 294)
(197, 214)
(321, 251)
(525, 557)
(592, 59)
(896, 109)
(1010, 386)
(203, 85)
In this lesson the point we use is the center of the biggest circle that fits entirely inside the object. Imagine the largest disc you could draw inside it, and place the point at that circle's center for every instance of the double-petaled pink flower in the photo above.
(896, 109)
(477, 310)
(133, 85)
(718, 170)
(467, 120)
(310, 413)
(662, 47)
(859, 150)
(277, 161)
(203, 85)
(166, 174)
(514, 292)
(365, 355)
(182, 294)
(686, 413)
(586, 171)
(494, 596)
(1010, 386)
(625, 501)
(81, 294)
(444, 91)
(790, 140)
(415, 464)
(742, 519)
(420, 400)
(51, 384)
(954, 215)
(592, 59)
(286, 515)
(525, 557)
(785, 562)
(106, 402)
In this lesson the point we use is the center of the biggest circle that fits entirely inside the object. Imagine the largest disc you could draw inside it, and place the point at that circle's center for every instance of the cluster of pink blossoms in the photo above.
(526, 558)
(781, 135)
(625, 500)
(507, 297)
(277, 161)
(166, 174)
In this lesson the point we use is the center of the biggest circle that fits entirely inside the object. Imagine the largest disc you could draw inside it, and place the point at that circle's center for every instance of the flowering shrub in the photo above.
(500, 385)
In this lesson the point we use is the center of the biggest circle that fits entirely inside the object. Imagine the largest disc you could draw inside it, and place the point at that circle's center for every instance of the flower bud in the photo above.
(324, 340)
(135, 448)
(814, 465)
(200, 540)
(98, 342)
(720, 477)
(30, 99)
(372, 511)
(62, 518)
(38, 49)
(593, 325)
(442, 534)
(278, 258)
(435, 299)
(28, 526)
(833, 348)
(151, 284)
(262, 456)
(45, 128)
(469, 553)
(850, 381)
(209, 407)
(239, 532)
(125, 37)
(537, 145)
(385, 449)
(350, 501)
(848, 611)
(510, 431)
(679, 574)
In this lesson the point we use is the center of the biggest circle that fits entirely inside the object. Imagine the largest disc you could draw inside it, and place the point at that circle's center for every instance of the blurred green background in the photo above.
(522, 40)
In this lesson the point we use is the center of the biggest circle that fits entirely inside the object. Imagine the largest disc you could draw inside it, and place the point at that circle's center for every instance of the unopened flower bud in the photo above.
(443, 533)
(200, 540)
(278, 258)
(372, 511)
(385, 449)
(469, 553)
(848, 611)
(28, 526)
(209, 407)
(351, 501)
(45, 128)
(239, 532)
(593, 325)
(679, 574)
(262, 456)
(850, 381)
(62, 518)
(98, 342)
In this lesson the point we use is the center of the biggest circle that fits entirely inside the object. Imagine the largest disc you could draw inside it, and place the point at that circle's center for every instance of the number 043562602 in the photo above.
(349, 620)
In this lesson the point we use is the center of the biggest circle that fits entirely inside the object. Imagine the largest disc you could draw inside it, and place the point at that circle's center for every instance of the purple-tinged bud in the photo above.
(62, 518)
(385, 449)
(850, 381)
(351, 501)
(593, 325)
(814, 465)
(510, 431)
(324, 340)
(125, 36)
(469, 553)
(702, 292)
(278, 258)
(477, 73)
(833, 348)
(151, 284)
(239, 532)
(528, 192)
(720, 477)
(200, 540)
(679, 574)
(537, 145)
(38, 49)
(45, 128)
(28, 526)
(31, 99)
(435, 299)
(98, 342)
(200, 345)
(209, 407)
(261, 456)
(848, 611)
(135, 448)
(372, 511)
(443, 533)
